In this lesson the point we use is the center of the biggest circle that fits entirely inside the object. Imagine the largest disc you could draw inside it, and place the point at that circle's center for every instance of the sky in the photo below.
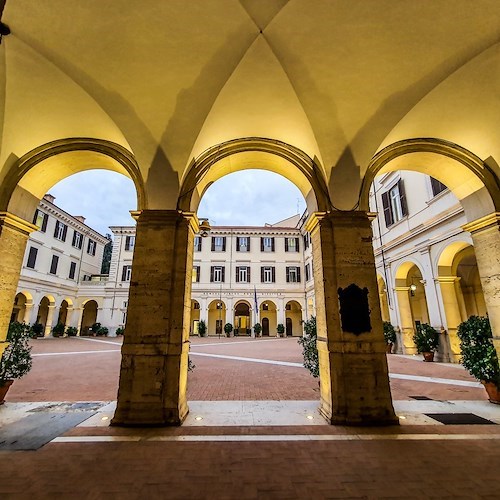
(248, 198)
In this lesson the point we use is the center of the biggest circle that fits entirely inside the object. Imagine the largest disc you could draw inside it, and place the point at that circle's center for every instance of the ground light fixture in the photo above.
(310, 417)
(198, 418)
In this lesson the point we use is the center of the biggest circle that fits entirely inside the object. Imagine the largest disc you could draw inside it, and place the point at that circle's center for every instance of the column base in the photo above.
(148, 415)
(366, 420)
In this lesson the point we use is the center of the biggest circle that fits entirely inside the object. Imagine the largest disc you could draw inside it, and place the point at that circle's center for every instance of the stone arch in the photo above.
(23, 303)
(470, 179)
(195, 317)
(65, 311)
(242, 317)
(90, 309)
(254, 152)
(216, 317)
(293, 319)
(269, 312)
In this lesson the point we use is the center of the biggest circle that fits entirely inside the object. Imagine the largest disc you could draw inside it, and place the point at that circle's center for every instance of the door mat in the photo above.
(459, 419)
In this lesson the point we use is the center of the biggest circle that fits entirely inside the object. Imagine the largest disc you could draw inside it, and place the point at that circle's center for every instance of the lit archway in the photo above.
(216, 317)
(242, 320)
(195, 317)
(89, 316)
(268, 318)
(293, 319)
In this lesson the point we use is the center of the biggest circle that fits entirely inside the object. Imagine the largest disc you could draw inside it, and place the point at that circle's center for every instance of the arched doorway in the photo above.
(268, 318)
(22, 308)
(45, 314)
(89, 316)
(242, 325)
(216, 317)
(293, 319)
(265, 327)
(64, 312)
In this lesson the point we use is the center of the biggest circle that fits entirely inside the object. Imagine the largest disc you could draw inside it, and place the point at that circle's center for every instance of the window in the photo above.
(308, 272)
(72, 270)
(293, 274)
(291, 244)
(243, 244)
(77, 240)
(218, 243)
(41, 220)
(267, 244)
(394, 204)
(242, 274)
(197, 243)
(126, 273)
(265, 306)
(53, 264)
(91, 246)
(306, 241)
(129, 242)
(87, 277)
(60, 231)
(195, 278)
(267, 274)
(437, 187)
(32, 257)
(217, 274)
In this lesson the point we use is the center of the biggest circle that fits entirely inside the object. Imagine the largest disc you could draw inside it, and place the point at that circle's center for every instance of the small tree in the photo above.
(389, 333)
(119, 331)
(16, 359)
(228, 328)
(426, 338)
(309, 347)
(257, 328)
(71, 331)
(202, 328)
(58, 330)
(280, 329)
(102, 331)
(36, 330)
(95, 328)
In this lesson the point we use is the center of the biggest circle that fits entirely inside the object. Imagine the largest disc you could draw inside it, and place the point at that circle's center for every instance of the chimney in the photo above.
(80, 218)
(49, 198)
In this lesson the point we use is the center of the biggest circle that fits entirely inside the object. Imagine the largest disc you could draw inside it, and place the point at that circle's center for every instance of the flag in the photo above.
(256, 305)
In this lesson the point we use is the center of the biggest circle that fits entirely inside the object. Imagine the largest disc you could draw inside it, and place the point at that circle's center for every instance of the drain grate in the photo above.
(421, 398)
(459, 419)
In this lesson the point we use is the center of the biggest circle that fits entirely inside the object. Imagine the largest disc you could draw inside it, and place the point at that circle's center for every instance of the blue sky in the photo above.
(249, 197)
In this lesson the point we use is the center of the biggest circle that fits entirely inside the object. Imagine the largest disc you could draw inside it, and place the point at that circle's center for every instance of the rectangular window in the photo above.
(129, 243)
(242, 274)
(32, 257)
(243, 244)
(267, 274)
(217, 274)
(394, 204)
(91, 246)
(60, 231)
(306, 241)
(126, 273)
(293, 274)
(72, 270)
(218, 243)
(197, 243)
(196, 274)
(77, 240)
(308, 272)
(267, 244)
(291, 244)
(437, 187)
(40, 220)
(53, 264)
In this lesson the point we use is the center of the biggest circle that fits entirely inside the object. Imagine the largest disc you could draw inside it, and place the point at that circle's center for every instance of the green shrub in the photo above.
(309, 347)
(202, 328)
(257, 328)
(95, 327)
(36, 330)
(58, 330)
(280, 329)
(426, 338)
(119, 331)
(389, 333)
(16, 359)
(479, 356)
(228, 328)
(102, 331)
(71, 331)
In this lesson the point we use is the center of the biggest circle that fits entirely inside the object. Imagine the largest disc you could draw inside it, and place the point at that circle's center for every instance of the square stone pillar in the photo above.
(486, 237)
(153, 376)
(14, 233)
(354, 379)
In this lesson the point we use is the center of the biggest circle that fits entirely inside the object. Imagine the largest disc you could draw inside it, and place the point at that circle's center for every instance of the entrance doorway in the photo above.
(242, 319)
(289, 328)
(265, 327)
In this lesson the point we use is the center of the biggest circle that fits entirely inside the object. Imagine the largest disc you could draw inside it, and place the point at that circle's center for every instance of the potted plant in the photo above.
(36, 330)
(426, 340)
(16, 359)
(228, 328)
(95, 328)
(389, 335)
(119, 331)
(479, 355)
(102, 331)
(202, 328)
(58, 330)
(309, 347)
(280, 329)
(71, 331)
(257, 328)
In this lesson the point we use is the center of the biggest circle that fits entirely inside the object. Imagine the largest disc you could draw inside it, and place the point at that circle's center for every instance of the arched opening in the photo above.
(242, 323)
(195, 317)
(268, 317)
(22, 308)
(45, 314)
(64, 309)
(216, 317)
(382, 293)
(293, 318)
(89, 317)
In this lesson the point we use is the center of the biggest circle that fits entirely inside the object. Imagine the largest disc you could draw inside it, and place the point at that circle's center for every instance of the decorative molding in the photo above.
(490, 221)
(15, 223)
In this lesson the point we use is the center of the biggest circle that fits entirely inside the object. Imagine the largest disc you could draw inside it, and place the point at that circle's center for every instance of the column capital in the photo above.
(16, 223)
(160, 217)
(447, 279)
(487, 222)
(401, 288)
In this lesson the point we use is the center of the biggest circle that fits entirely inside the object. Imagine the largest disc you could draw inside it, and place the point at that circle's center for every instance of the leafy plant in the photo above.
(426, 338)
(102, 331)
(58, 330)
(71, 331)
(228, 328)
(95, 327)
(257, 328)
(309, 347)
(119, 331)
(36, 330)
(16, 359)
(280, 329)
(389, 333)
(191, 365)
(202, 328)
(479, 356)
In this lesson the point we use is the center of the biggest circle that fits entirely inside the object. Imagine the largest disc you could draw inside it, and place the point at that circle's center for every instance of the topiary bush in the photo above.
(228, 328)
(280, 329)
(58, 330)
(426, 338)
(479, 356)
(102, 331)
(16, 359)
(71, 331)
(119, 331)
(309, 347)
(389, 333)
(257, 328)
(202, 328)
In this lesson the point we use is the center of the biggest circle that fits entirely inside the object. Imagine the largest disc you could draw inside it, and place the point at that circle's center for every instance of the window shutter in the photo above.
(213, 244)
(65, 231)
(56, 229)
(262, 275)
(387, 209)
(44, 223)
(288, 275)
(124, 273)
(296, 244)
(272, 244)
(286, 244)
(237, 274)
(237, 243)
(402, 197)
(248, 243)
(248, 274)
(74, 238)
(35, 216)
(212, 270)
(223, 269)
(273, 270)
(298, 274)
(261, 244)
(223, 245)
(200, 243)
(32, 257)
(197, 274)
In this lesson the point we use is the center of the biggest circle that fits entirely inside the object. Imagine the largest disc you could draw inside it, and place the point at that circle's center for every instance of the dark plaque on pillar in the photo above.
(354, 309)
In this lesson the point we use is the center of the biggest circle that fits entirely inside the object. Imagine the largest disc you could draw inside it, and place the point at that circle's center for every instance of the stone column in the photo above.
(405, 314)
(50, 317)
(354, 380)
(28, 309)
(153, 376)
(79, 320)
(281, 313)
(448, 285)
(486, 237)
(14, 233)
(69, 315)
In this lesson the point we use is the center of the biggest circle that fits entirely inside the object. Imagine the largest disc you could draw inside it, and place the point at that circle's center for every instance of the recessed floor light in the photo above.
(310, 417)
(105, 418)
(198, 418)
(402, 417)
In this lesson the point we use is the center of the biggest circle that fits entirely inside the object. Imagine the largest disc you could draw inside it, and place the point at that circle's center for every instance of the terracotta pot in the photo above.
(389, 349)
(428, 356)
(493, 392)
(4, 389)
